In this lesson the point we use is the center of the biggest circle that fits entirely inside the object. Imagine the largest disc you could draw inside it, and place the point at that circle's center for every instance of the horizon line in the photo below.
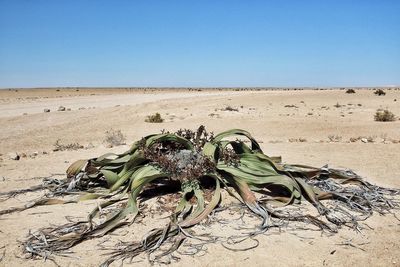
(199, 87)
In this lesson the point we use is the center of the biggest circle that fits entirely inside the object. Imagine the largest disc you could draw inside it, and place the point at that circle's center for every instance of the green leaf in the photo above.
(111, 177)
(209, 150)
(159, 138)
(234, 132)
(190, 221)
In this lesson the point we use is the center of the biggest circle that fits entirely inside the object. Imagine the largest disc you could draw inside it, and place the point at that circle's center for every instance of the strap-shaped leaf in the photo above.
(190, 221)
(233, 132)
(76, 167)
(111, 177)
(159, 138)
(210, 151)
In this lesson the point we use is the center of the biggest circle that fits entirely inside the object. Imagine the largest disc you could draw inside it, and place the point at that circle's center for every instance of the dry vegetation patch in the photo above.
(384, 115)
(229, 108)
(58, 146)
(379, 92)
(154, 118)
(114, 138)
(334, 138)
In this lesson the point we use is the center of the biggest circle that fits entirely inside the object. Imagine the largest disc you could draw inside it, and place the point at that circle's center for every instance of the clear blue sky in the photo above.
(199, 43)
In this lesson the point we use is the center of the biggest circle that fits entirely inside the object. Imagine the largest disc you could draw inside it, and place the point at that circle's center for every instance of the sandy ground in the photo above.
(314, 128)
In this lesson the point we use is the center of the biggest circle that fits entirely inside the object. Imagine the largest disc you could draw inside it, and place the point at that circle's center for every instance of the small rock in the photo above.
(25, 114)
(364, 140)
(46, 110)
(35, 153)
(23, 155)
(61, 108)
(379, 140)
(44, 153)
(14, 156)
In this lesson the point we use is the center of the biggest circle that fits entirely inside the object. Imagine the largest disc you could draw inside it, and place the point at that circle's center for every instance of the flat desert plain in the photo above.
(313, 127)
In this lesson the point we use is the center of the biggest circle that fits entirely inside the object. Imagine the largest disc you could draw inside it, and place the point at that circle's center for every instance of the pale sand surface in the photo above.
(262, 113)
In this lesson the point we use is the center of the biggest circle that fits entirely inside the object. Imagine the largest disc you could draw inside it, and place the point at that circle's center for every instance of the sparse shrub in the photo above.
(384, 115)
(155, 118)
(337, 105)
(354, 139)
(58, 146)
(379, 92)
(350, 91)
(114, 138)
(212, 115)
(334, 138)
(291, 106)
(370, 139)
(229, 108)
(297, 140)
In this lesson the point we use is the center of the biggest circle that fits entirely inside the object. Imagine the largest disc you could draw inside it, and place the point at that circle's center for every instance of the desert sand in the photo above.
(313, 127)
